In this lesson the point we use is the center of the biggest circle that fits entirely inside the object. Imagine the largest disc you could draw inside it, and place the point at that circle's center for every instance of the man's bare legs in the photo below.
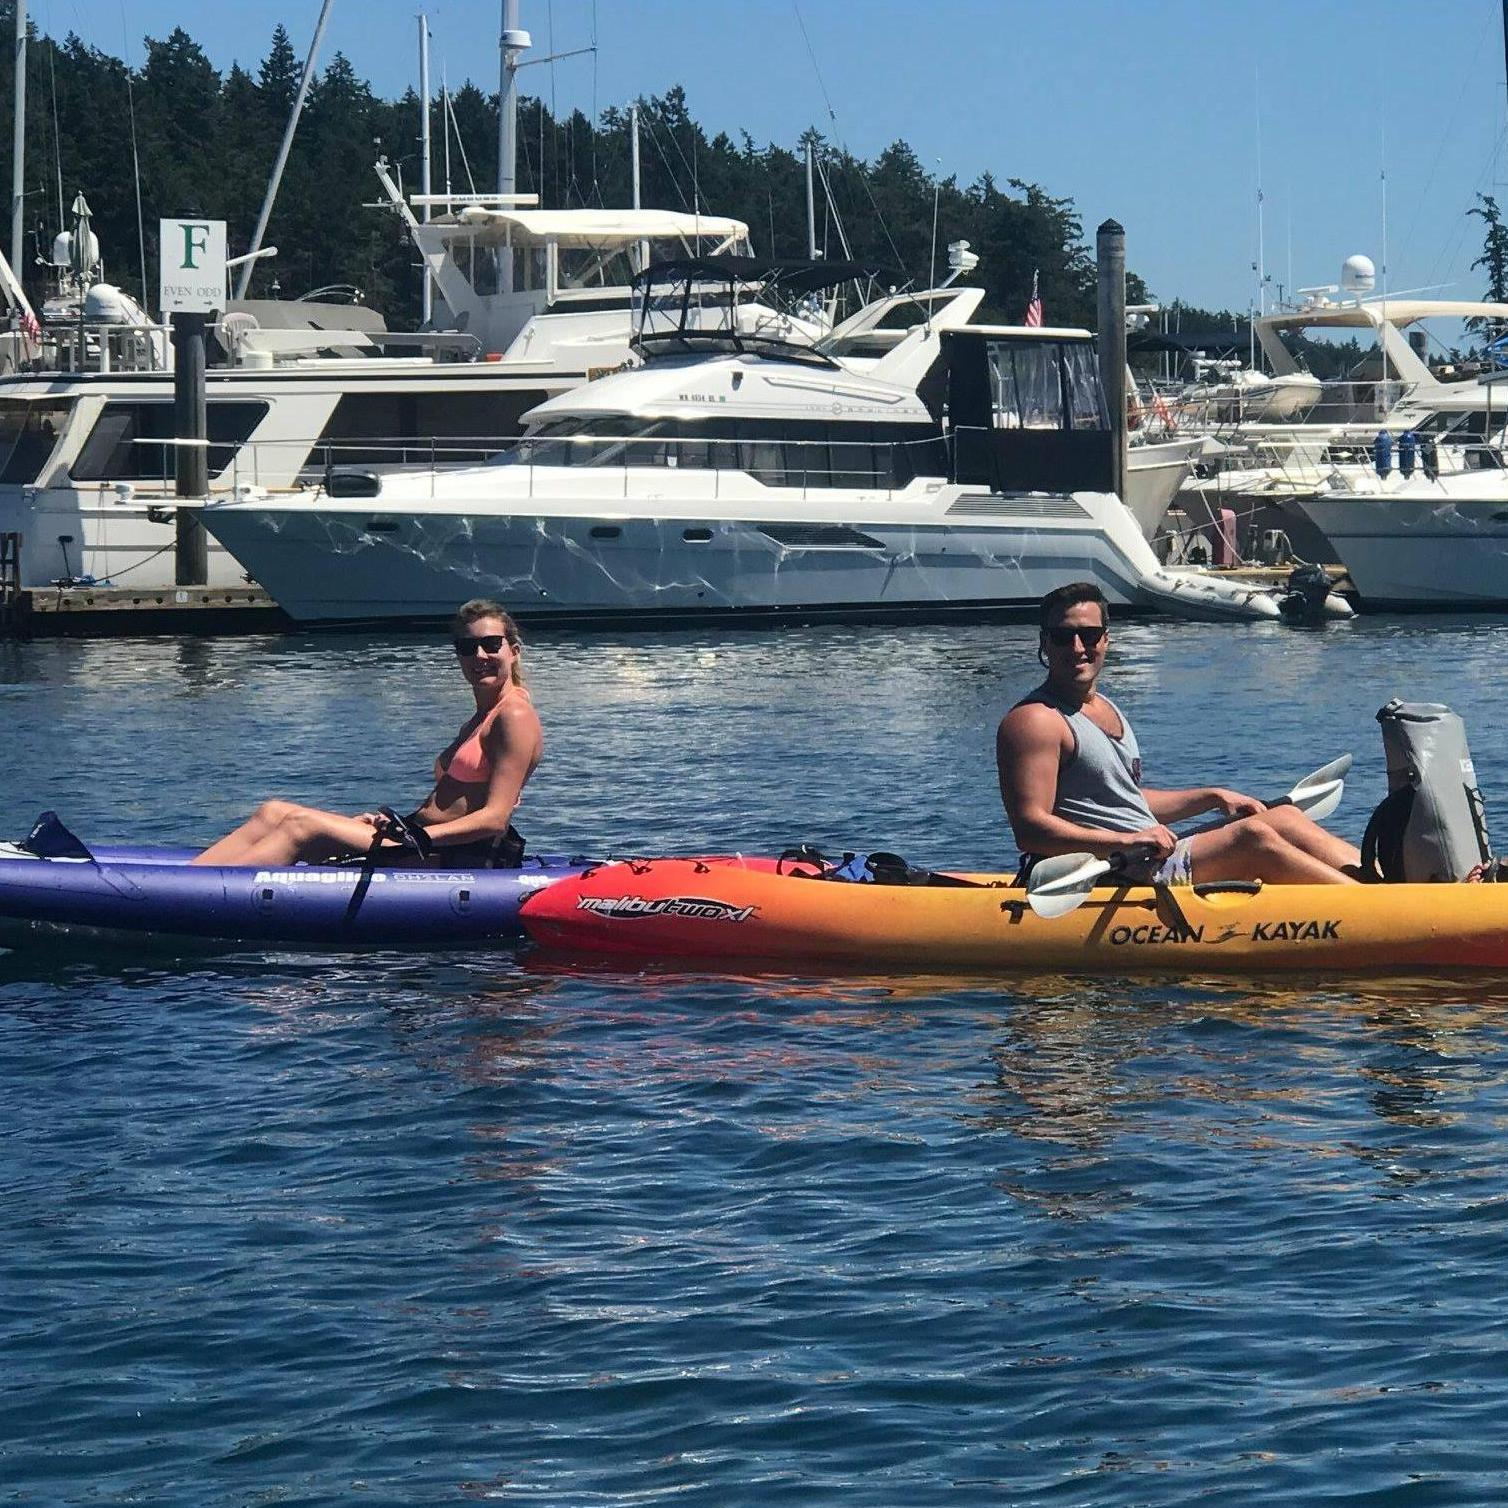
(1272, 846)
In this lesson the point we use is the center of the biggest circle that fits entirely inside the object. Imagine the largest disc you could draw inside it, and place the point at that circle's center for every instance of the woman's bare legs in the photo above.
(280, 832)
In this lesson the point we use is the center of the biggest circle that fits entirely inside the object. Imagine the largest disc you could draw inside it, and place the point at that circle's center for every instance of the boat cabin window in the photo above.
(119, 447)
(1026, 413)
(1044, 384)
(28, 436)
(371, 428)
(776, 453)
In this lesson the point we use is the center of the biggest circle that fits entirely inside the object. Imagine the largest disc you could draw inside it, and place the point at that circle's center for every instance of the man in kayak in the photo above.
(1070, 777)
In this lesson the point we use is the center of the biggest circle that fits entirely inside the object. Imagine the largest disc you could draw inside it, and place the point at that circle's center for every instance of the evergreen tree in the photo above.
(1494, 259)
(207, 145)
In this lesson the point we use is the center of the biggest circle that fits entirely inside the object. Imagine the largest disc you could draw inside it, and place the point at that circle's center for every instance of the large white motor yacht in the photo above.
(911, 462)
(532, 303)
(1421, 541)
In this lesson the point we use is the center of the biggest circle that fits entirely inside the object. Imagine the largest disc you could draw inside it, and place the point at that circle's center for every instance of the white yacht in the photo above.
(1264, 470)
(532, 304)
(892, 468)
(1421, 541)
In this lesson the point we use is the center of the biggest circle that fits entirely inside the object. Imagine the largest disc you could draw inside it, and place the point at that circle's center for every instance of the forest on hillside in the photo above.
(194, 141)
(205, 143)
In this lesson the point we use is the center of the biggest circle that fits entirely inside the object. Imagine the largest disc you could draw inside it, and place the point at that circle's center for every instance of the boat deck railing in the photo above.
(615, 464)
(1180, 408)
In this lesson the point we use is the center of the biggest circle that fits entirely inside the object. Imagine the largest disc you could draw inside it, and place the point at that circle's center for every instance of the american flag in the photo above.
(1034, 308)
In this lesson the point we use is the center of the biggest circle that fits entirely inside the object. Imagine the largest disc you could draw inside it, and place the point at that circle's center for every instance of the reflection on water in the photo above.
(515, 1228)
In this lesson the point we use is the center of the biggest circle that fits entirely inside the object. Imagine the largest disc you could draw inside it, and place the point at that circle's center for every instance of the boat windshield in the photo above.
(733, 303)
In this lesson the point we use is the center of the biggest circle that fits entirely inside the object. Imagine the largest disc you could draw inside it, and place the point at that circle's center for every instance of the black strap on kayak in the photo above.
(364, 879)
(1382, 843)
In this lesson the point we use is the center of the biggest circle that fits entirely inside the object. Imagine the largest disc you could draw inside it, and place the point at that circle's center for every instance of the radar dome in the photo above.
(105, 304)
(1358, 275)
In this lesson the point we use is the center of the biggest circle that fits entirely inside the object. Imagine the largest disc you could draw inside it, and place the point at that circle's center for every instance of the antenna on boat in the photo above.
(18, 141)
(1260, 265)
(811, 205)
(932, 263)
(1382, 344)
(282, 157)
(445, 126)
(426, 307)
(633, 143)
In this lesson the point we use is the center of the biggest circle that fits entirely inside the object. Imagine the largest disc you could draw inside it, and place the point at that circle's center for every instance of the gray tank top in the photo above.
(1100, 784)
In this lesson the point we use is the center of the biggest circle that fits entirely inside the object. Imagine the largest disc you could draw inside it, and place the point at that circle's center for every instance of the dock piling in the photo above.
(1110, 255)
(191, 459)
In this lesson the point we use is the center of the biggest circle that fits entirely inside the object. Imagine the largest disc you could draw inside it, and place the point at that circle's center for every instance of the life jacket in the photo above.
(1431, 826)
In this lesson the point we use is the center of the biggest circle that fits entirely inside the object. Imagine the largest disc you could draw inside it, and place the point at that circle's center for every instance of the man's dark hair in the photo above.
(1061, 598)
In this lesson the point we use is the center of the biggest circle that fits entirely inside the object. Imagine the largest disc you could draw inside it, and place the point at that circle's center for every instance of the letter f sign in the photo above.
(195, 241)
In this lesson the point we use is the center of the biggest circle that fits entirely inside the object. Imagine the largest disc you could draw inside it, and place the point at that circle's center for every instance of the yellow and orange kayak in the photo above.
(727, 910)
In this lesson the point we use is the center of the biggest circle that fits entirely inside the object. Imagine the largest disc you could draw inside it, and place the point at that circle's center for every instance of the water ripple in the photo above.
(309, 1228)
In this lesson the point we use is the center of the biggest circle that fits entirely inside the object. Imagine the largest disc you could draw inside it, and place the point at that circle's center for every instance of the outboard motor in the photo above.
(1382, 453)
(1408, 446)
(1431, 826)
(1303, 599)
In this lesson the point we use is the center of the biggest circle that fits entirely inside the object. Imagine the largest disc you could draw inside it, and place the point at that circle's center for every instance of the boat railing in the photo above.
(1178, 408)
(1290, 466)
(804, 465)
(105, 348)
(617, 462)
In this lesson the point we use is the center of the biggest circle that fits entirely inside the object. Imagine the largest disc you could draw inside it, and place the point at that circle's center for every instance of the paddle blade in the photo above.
(1319, 785)
(1058, 885)
(1320, 801)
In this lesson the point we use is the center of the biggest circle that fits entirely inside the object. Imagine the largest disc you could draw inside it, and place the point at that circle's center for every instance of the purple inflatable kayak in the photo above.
(124, 894)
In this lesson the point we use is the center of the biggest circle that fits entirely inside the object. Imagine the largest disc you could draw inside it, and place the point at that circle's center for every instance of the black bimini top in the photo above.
(795, 276)
(1211, 342)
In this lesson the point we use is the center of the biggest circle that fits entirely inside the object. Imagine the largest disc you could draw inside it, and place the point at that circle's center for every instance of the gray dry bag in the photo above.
(1431, 826)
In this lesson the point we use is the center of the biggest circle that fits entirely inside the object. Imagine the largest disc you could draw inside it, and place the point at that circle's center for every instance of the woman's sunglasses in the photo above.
(1088, 637)
(480, 643)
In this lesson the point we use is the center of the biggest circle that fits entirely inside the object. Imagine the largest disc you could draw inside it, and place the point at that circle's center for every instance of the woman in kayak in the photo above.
(479, 778)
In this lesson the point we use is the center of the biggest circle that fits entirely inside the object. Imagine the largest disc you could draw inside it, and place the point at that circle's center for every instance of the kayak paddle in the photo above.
(1062, 883)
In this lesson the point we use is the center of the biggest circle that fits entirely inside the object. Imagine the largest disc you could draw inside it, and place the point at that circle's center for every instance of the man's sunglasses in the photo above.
(490, 643)
(1088, 637)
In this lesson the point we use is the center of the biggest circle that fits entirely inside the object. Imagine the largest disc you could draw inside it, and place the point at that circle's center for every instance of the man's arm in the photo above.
(1029, 747)
(1174, 806)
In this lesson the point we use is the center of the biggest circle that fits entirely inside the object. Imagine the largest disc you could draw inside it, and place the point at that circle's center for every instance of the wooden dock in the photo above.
(45, 612)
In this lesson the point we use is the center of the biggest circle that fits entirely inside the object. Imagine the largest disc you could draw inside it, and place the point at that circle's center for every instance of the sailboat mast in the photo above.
(513, 41)
(18, 140)
(427, 299)
(249, 262)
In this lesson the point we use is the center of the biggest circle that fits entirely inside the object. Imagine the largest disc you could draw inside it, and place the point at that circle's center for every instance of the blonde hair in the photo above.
(484, 607)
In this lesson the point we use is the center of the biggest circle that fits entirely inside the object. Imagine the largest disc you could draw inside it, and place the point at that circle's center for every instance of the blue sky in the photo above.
(1153, 111)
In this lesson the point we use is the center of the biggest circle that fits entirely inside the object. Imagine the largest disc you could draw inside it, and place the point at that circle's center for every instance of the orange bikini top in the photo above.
(470, 763)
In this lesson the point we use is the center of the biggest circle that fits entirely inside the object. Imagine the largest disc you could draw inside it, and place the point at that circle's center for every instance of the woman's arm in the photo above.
(512, 744)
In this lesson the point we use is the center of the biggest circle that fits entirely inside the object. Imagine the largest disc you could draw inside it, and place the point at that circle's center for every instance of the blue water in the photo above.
(304, 1229)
